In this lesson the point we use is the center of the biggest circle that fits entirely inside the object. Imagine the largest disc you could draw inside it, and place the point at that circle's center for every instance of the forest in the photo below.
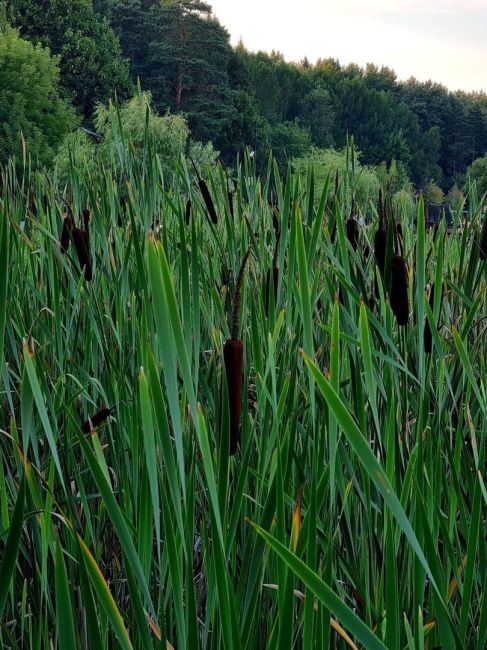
(85, 53)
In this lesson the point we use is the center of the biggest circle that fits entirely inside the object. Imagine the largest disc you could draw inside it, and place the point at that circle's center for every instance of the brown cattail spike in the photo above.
(96, 420)
(233, 357)
(352, 232)
(399, 290)
(79, 239)
(205, 193)
(66, 234)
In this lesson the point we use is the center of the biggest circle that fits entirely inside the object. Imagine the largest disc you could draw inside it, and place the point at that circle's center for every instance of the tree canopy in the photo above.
(31, 105)
(237, 99)
(90, 57)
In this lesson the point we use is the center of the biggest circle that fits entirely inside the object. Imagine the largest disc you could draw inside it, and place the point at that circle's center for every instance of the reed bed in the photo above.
(319, 484)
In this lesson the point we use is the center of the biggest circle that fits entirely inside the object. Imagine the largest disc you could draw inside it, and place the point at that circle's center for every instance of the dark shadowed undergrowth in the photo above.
(352, 513)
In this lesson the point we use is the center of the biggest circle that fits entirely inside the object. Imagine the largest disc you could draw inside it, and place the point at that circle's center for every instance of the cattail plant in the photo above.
(96, 420)
(399, 289)
(82, 251)
(66, 234)
(205, 193)
(233, 358)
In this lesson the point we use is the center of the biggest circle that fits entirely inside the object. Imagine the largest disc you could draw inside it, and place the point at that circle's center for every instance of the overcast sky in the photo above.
(442, 40)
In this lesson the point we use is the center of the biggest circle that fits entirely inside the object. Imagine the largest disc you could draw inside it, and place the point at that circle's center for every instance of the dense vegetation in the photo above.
(344, 366)
(238, 99)
(242, 396)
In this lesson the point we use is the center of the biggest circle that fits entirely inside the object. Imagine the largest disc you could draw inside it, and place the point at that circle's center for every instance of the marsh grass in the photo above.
(353, 511)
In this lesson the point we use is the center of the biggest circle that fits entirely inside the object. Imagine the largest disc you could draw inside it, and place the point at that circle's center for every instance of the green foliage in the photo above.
(432, 192)
(240, 100)
(477, 172)
(129, 127)
(352, 514)
(455, 198)
(183, 55)
(403, 205)
(288, 141)
(394, 176)
(90, 58)
(30, 102)
(363, 185)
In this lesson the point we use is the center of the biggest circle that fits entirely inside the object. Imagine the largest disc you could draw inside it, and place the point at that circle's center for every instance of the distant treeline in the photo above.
(179, 51)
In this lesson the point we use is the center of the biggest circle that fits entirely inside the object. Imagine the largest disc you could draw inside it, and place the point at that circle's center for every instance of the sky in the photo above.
(442, 40)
